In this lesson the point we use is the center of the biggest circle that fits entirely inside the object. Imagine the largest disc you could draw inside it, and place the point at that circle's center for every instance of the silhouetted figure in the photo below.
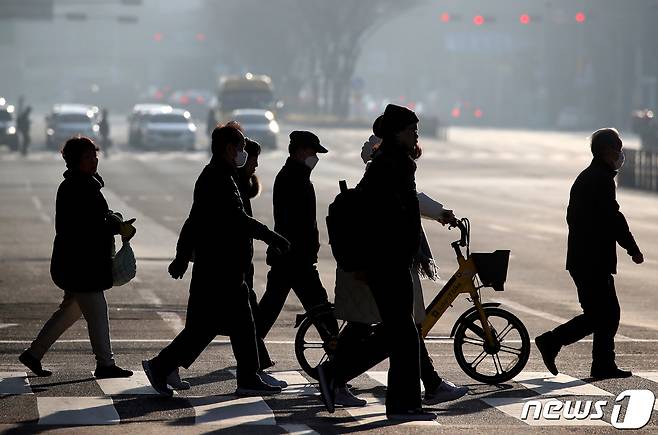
(81, 263)
(294, 205)
(390, 189)
(217, 235)
(595, 227)
(104, 132)
(211, 122)
(23, 125)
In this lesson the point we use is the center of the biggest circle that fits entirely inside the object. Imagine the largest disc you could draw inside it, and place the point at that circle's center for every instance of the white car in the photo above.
(258, 125)
(136, 118)
(68, 120)
(168, 129)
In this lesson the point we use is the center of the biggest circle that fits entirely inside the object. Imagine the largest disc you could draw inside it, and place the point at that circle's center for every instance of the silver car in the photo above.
(68, 120)
(168, 129)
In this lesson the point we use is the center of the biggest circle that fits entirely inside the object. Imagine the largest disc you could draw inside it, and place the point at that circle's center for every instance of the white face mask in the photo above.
(311, 161)
(241, 158)
(620, 161)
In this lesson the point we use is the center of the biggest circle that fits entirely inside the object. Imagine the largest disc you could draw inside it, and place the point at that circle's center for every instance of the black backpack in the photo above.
(347, 225)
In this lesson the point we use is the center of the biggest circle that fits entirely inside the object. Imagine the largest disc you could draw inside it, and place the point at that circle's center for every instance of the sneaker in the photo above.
(344, 397)
(158, 382)
(548, 352)
(327, 391)
(445, 392)
(175, 382)
(609, 373)
(256, 387)
(269, 379)
(411, 415)
(33, 364)
(113, 371)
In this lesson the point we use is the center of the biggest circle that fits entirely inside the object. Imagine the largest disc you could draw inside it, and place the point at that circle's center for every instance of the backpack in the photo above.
(346, 220)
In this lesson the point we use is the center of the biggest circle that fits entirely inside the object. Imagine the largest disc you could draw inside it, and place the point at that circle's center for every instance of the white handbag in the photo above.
(124, 265)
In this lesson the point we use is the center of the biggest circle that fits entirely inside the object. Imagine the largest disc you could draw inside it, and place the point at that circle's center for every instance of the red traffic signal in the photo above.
(478, 20)
(525, 19)
(445, 17)
(580, 17)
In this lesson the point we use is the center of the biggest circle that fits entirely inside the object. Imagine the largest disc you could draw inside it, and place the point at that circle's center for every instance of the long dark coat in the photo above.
(595, 223)
(84, 231)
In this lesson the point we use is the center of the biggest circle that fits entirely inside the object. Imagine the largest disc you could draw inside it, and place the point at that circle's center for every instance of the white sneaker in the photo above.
(345, 397)
(175, 382)
(445, 392)
(269, 379)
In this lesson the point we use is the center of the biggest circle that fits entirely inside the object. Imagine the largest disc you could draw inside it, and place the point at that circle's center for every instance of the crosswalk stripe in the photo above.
(76, 411)
(375, 413)
(546, 384)
(231, 411)
(297, 383)
(298, 429)
(513, 406)
(651, 376)
(137, 384)
(14, 383)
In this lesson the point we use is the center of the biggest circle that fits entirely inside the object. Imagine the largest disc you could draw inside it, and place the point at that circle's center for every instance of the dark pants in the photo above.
(392, 288)
(201, 327)
(304, 280)
(601, 312)
(263, 354)
(365, 346)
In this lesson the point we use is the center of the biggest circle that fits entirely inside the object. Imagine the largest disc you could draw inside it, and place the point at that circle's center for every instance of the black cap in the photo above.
(395, 119)
(302, 138)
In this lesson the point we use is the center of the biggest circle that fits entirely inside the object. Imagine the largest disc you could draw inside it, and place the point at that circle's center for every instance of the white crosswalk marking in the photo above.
(229, 411)
(297, 383)
(298, 429)
(546, 383)
(14, 383)
(76, 411)
(513, 406)
(653, 377)
(137, 384)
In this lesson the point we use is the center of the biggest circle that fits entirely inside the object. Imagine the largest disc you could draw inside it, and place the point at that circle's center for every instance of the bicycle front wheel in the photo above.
(313, 345)
(500, 362)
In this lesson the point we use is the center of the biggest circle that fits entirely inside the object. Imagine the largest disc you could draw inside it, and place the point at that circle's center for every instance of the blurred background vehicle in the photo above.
(258, 125)
(645, 125)
(195, 101)
(67, 120)
(136, 118)
(8, 134)
(167, 128)
(249, 91)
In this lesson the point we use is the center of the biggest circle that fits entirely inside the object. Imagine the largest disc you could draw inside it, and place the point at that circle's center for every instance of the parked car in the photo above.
(8, 134)
(168, 129)
(67, 120)
(258, 125)
(136, 119)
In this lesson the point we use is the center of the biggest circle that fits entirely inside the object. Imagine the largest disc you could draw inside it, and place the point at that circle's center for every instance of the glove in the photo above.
(177, 268)
(278, 243)
(127, 230)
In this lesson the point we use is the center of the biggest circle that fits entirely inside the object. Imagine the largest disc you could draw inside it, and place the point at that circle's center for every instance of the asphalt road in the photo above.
(512, 184)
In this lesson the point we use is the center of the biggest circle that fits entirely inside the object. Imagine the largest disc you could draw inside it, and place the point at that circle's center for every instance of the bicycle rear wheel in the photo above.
(311, 349)
(492, 364)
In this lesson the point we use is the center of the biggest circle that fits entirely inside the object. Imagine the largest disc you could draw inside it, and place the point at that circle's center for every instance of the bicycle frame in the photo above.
(461, 282)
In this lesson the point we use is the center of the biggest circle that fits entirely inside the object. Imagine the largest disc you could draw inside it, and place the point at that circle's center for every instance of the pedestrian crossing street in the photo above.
(115, 401)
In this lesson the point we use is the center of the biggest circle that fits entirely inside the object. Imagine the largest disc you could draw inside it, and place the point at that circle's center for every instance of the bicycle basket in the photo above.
(492, 268)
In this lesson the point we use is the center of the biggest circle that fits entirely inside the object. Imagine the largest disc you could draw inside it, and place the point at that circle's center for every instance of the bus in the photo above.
(249, 91)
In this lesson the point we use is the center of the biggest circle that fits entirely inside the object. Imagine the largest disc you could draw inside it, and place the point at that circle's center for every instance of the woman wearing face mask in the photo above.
(218, 233)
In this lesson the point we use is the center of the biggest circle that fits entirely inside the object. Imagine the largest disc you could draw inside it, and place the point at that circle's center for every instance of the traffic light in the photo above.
(581, 17)
(445, 17)
(525, 19)
(26, 9)
(478, 20)
(157, 37)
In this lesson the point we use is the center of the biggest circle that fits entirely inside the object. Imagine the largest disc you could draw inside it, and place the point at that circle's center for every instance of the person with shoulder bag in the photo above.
(81, 262)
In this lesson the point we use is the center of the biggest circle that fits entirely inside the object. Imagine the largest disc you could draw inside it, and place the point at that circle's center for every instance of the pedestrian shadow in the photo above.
(40, 388)
(219, 375)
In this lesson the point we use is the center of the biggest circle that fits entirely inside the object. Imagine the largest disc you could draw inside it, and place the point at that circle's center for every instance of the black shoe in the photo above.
(158, 381)
(33, 364)
(113, 371)
(611, 372)
(327, 390)
(411, 415)
(548, 352)
(256, 387)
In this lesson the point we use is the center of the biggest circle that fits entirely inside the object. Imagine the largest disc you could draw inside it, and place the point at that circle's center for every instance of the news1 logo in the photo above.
(638, 409)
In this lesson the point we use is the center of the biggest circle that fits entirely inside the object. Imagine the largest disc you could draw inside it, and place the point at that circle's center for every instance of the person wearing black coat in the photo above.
(217, 235)
(596, 226)
(81, 262)
(394, 236)
(295, 219)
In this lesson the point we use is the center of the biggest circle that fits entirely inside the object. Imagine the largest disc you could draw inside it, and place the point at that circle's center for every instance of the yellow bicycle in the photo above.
(491, 344)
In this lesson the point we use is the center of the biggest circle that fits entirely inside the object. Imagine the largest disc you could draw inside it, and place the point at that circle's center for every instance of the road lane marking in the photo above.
(513, 406)
(76, 411)
(545, 383)
(651, 376)
(14, 383)
(37, 204)
(137, 384)
(231, 411)
(173, 320)
(298, 429)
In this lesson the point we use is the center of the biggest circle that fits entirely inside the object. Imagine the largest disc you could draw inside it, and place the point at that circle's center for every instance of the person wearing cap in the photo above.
(295, 219)
(390, 188)
(217, 234)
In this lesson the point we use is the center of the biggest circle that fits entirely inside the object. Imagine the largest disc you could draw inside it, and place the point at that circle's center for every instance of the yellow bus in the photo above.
(249, 91)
